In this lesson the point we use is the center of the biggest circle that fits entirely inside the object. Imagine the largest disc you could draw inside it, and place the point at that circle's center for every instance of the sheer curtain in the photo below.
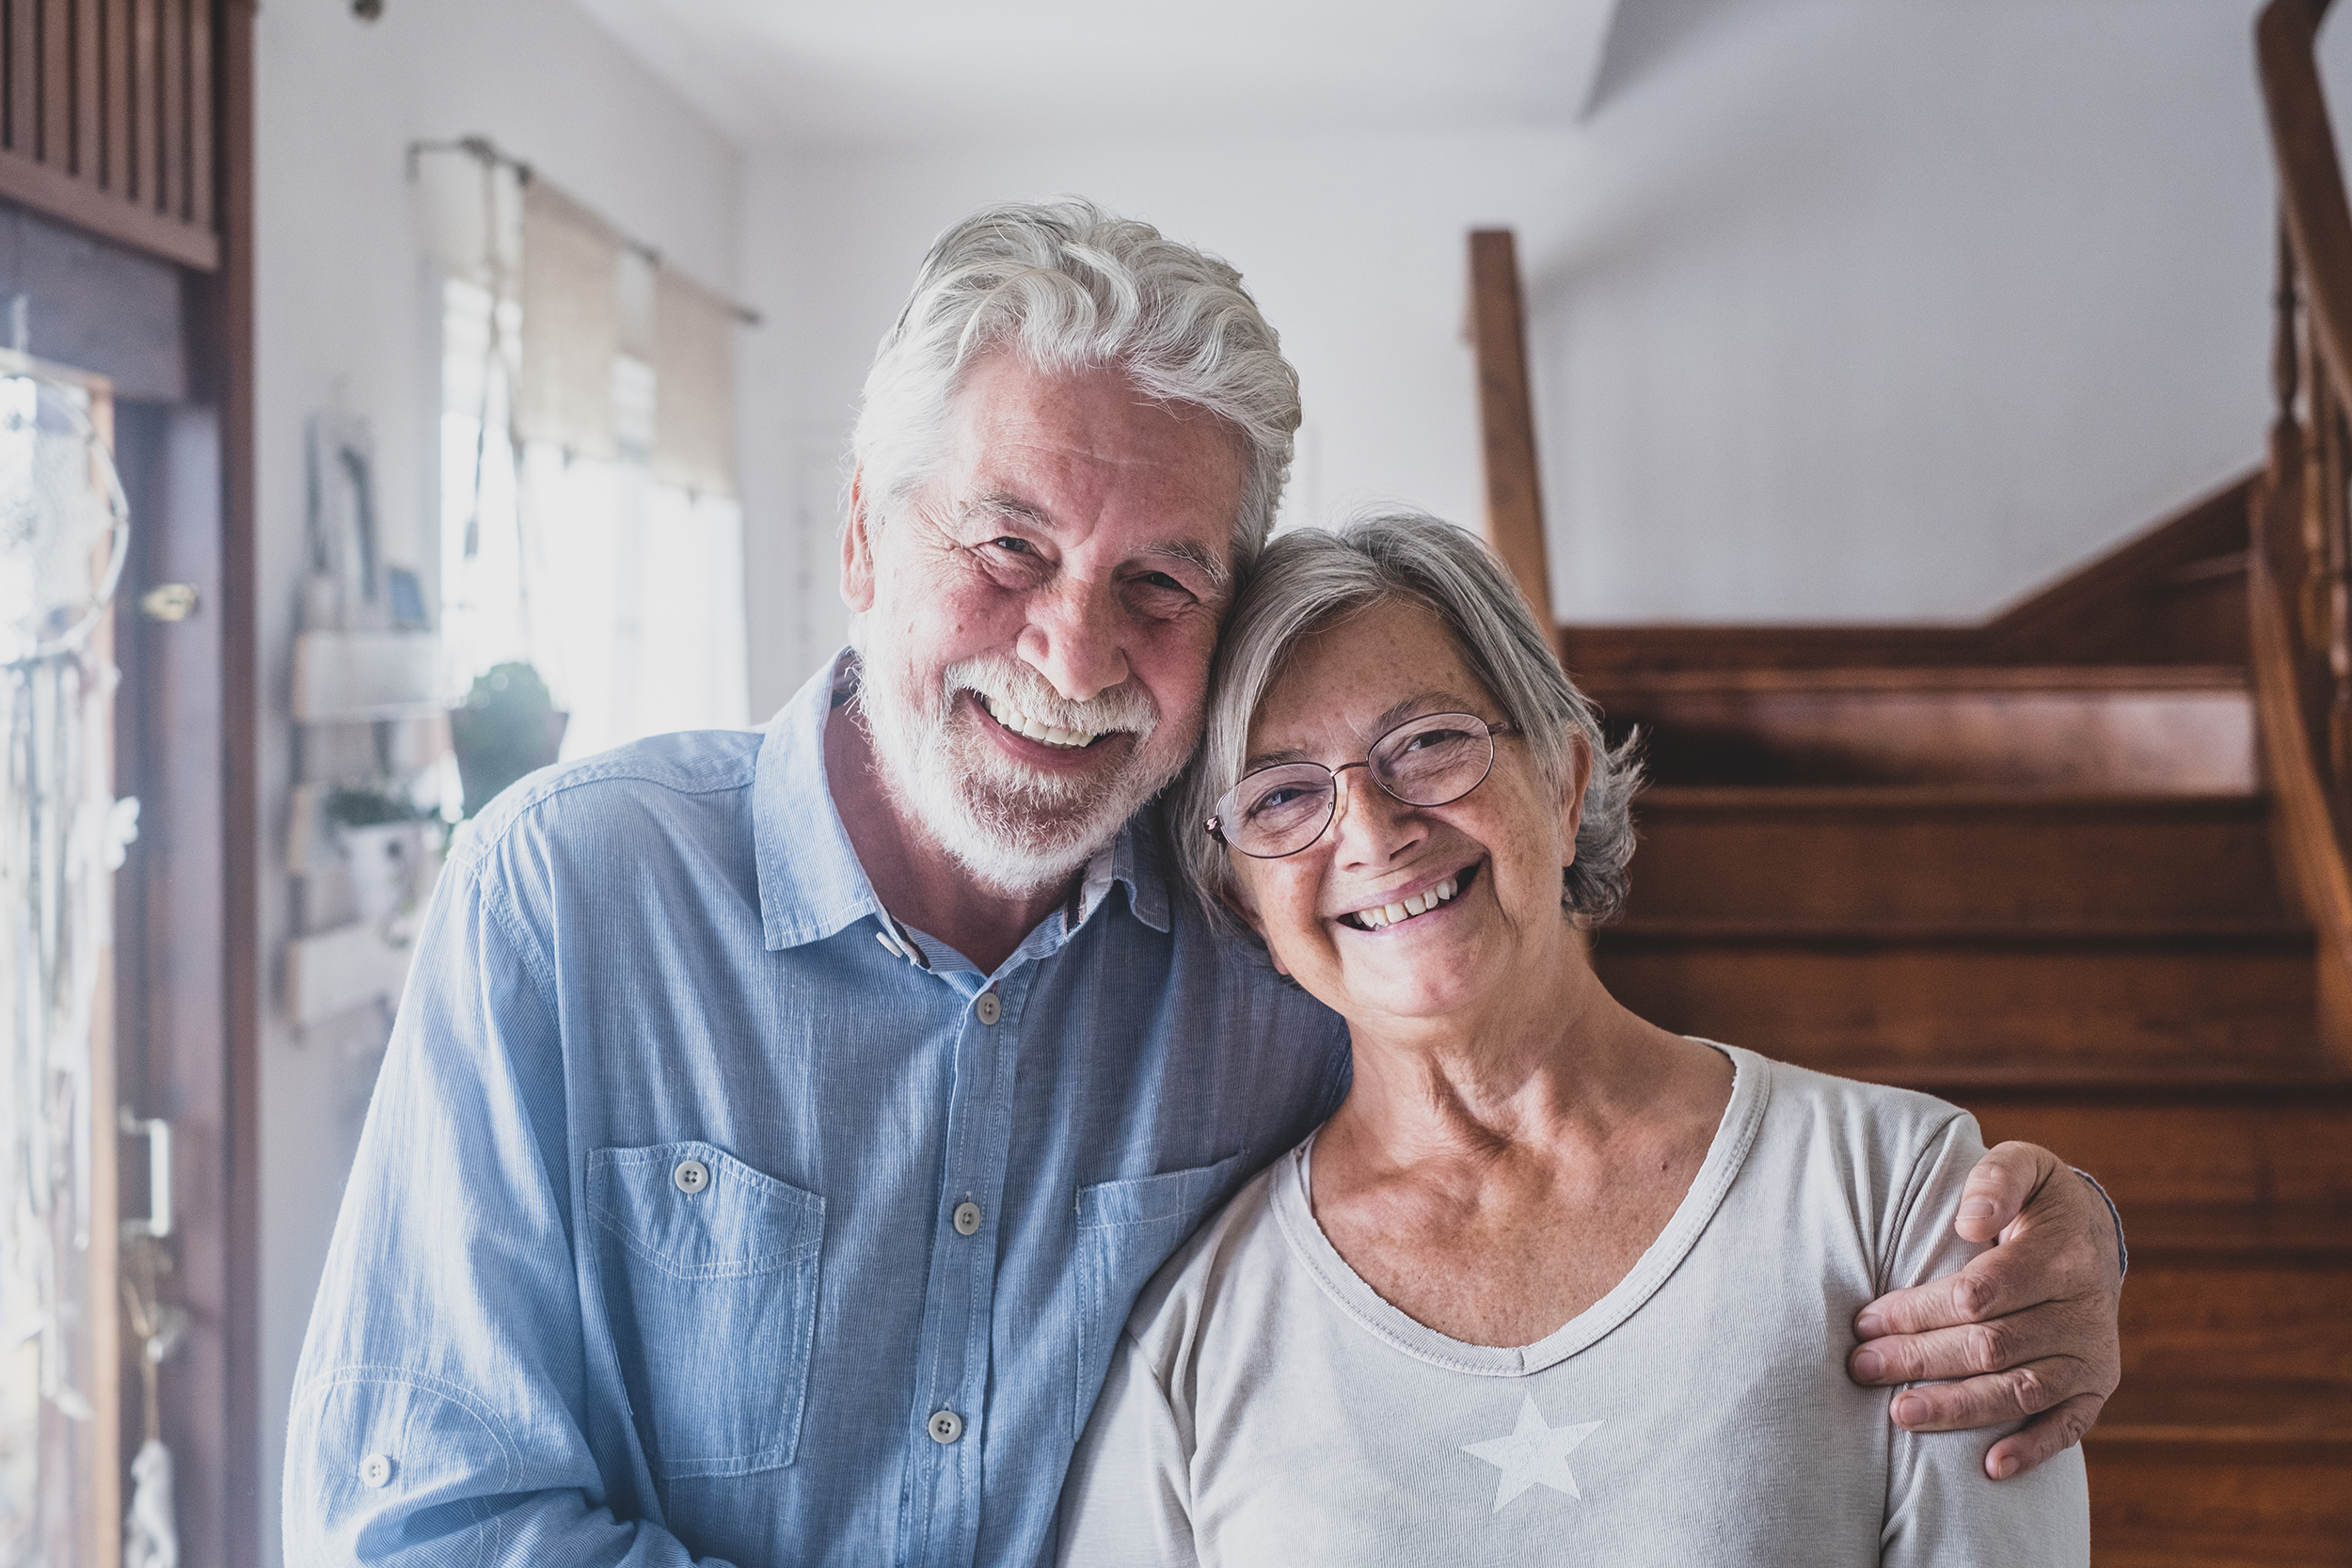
(589, 521)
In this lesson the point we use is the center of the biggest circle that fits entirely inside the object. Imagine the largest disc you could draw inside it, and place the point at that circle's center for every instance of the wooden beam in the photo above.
(1507, 417)
(62, 196)
(230, 377)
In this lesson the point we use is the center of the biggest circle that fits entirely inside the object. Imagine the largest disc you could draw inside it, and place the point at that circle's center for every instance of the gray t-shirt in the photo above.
(1266, 1407)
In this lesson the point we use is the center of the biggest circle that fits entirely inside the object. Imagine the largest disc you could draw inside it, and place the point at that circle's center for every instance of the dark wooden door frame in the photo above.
(230, 311)
(107, 128)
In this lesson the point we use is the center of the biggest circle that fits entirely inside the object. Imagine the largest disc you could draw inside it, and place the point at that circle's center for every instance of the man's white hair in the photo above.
(1070, 288)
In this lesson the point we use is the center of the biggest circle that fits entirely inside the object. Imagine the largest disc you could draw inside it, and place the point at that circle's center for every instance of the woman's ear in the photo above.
(857, 552)
(1238, 901)
(1578, 774)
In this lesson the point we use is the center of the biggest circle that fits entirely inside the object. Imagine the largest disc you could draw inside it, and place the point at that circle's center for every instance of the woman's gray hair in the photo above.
(1069, 288)
(1312, 579)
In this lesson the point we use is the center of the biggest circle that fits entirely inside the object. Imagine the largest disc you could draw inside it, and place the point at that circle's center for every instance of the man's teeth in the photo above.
(1021, 723)
(1389, 914)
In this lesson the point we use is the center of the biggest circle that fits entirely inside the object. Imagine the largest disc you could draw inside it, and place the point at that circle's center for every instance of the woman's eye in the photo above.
(1426, 740)
(1276, 799)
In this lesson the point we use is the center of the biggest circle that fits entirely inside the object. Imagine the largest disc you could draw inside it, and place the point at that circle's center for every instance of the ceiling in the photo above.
(784, 73)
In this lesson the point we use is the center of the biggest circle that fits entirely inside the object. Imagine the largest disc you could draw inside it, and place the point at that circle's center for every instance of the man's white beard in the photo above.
(1016, 828)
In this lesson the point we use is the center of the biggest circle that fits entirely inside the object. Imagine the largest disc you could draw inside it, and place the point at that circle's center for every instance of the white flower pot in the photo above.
(381, 861)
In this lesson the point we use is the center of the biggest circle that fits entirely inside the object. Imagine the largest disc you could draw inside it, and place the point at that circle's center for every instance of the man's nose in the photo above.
(1077, 639)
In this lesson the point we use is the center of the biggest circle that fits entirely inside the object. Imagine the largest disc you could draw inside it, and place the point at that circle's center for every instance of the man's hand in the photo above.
(2029, 1326)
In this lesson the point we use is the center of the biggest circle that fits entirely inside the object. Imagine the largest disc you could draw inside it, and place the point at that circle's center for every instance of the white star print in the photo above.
(1534, 1455)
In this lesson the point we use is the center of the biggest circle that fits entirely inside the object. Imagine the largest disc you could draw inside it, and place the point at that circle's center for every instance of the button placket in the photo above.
(964, 1284)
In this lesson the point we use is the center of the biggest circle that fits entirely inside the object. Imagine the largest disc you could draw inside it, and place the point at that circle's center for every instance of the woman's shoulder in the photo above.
(1806, 1097)
(1886, 1163)
(1238, 1255)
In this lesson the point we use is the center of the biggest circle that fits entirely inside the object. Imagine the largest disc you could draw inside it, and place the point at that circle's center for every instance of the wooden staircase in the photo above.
(2046, 892)
(2085, 870)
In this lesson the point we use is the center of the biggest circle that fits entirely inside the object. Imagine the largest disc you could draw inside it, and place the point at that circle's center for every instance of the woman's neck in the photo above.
(1494, 1176)
(1526, 1069)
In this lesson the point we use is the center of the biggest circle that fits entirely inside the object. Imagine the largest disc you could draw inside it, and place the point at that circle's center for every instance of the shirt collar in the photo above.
(810, 883)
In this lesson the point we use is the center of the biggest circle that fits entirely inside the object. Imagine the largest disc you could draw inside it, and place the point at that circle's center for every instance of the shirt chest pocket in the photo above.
(707, 1272)
(1126, 1230)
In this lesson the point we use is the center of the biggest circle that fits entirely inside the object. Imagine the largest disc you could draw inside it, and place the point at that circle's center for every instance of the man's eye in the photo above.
(1160, 579)
(1017, 546)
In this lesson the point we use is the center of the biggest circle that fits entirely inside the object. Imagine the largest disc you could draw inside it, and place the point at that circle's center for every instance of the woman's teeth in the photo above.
(1389, 914)
(1021, 723)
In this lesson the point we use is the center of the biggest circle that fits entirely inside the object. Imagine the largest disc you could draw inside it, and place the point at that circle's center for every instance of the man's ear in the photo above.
(1239, 903)
(1579, 773)
(857, 552)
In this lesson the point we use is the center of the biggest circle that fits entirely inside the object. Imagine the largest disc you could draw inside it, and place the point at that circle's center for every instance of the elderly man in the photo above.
(779, 1127)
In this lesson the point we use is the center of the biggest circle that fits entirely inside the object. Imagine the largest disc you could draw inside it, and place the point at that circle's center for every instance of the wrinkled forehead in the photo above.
(1359, 675)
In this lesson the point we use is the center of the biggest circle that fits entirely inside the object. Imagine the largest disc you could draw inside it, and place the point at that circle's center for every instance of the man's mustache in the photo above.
(1126, 707)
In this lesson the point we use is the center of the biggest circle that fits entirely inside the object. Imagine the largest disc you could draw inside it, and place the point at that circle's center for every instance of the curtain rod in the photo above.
(488, 154)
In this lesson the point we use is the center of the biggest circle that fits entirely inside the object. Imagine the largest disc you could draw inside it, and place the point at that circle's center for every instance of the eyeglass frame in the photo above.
(1503, 726)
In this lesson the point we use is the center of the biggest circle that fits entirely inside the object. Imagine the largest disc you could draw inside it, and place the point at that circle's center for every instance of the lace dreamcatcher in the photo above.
(64, 527)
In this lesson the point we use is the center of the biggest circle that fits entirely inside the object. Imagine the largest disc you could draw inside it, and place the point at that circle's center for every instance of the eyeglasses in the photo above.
(1430, 761)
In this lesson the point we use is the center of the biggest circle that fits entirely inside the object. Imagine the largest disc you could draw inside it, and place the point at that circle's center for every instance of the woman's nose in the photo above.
(1074, 639)
(1369, 826)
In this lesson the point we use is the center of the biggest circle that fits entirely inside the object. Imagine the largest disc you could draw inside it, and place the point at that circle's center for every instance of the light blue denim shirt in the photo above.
(691, 1224)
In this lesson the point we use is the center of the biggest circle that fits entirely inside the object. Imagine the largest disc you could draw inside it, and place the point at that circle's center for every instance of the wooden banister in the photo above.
(1507, 417)
(2300, 578)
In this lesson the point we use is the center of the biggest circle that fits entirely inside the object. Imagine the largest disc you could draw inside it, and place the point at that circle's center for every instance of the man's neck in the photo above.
(917, 879)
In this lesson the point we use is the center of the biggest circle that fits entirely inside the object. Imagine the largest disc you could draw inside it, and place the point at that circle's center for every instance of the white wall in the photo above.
(342, 303)
(1839, 310)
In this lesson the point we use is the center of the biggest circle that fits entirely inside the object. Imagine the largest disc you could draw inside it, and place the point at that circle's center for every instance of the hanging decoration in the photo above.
(64, 529)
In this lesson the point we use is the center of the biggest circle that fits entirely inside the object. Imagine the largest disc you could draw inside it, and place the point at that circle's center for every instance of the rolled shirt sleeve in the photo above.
(440, 1410)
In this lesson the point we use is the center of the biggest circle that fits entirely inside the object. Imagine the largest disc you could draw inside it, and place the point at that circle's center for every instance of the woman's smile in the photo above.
(1423, 895)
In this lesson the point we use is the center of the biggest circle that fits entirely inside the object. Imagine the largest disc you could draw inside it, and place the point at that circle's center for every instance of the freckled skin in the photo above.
(1515, 1139)
(1513, 829)
(1068, 527)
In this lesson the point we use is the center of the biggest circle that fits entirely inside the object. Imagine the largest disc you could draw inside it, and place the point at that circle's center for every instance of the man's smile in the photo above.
(1021, 723)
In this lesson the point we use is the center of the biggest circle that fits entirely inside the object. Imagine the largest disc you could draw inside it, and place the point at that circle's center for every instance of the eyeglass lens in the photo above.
(1430, 761)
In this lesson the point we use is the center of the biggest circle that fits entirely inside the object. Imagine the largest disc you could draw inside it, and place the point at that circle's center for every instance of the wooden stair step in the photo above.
(2220, 1140)
(2244, 1233)
(1854, 1000)
(1845, 934)
(2164, 729)
(2259, 1315)
(2196, 1474)
(2303, 1416)
(1922, 853)
(2197, 1506)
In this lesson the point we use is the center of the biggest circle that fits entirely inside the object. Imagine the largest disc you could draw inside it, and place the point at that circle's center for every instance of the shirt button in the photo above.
(375, 1471)
(691, 1177)
(967, 1218)
(990, 1008)
(946, 1426)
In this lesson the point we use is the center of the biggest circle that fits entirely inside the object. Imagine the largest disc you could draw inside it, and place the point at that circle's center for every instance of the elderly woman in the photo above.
(1553, 1285)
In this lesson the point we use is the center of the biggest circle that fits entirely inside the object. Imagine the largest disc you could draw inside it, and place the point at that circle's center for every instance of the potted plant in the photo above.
(507, 726)
(376, 832)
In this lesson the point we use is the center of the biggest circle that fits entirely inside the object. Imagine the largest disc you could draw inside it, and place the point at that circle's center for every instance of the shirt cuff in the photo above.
(2122, 1253)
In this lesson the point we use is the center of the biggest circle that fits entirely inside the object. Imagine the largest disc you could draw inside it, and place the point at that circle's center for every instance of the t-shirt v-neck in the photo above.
(1293, 1205)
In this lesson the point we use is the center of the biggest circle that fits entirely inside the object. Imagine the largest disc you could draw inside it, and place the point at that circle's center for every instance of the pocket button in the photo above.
(946, 1426)
(375, 1471)
(691, 1177)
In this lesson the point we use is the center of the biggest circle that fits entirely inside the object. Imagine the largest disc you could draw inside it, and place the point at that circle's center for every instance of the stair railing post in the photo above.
(1506, 418)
